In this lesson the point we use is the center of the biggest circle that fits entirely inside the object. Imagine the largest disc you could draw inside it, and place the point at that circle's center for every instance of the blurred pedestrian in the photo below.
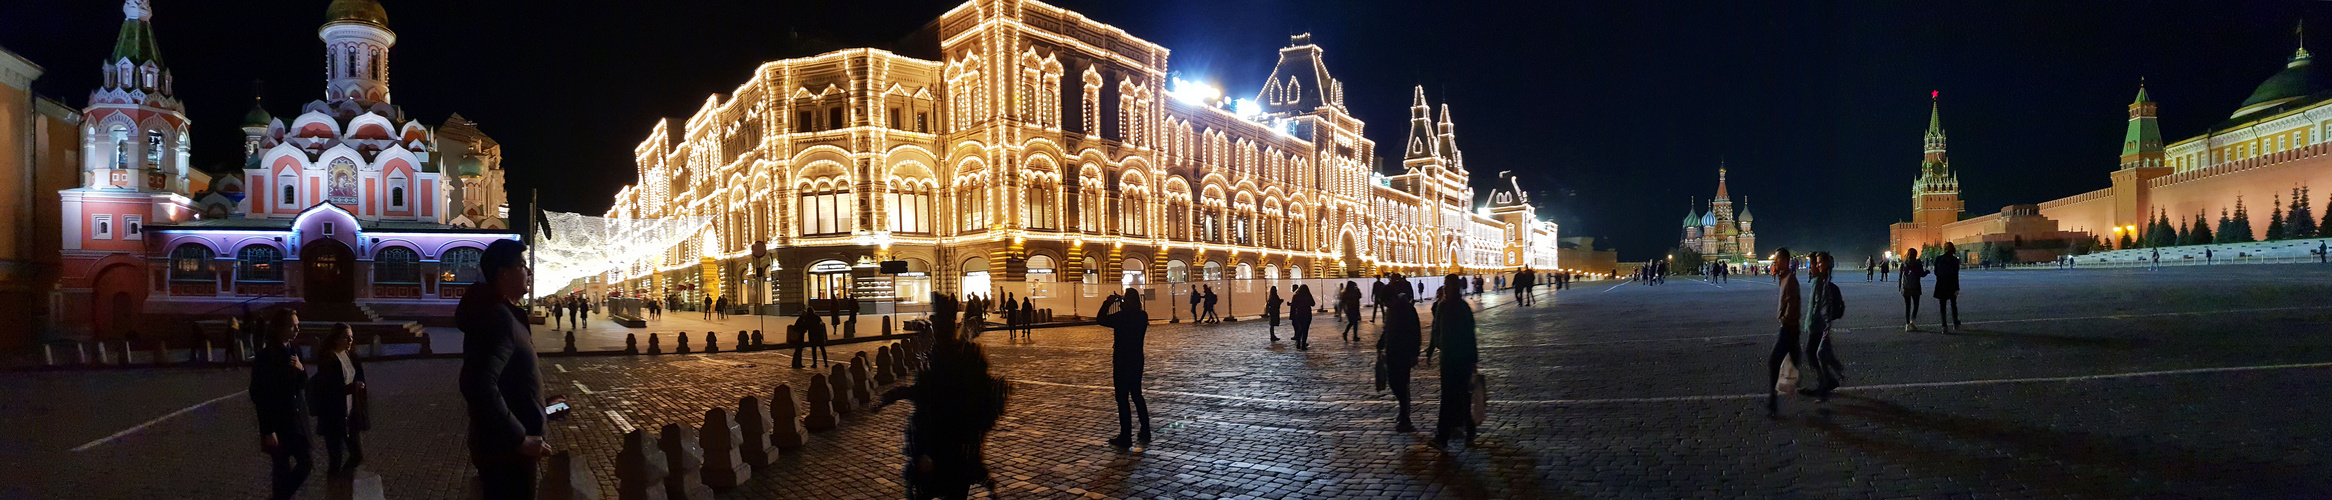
(1911, 272)
(1828, 306)
(1453, 329)
(1211, 316)
(1123, 315)
(1271, 313)
(1350, 302)
(813, 338)
(279, 393)
(1397, 353)
(1947, 288)
(1300, 315)
(1785, 345)
(957, 402)
(500, 383)
(338, 399)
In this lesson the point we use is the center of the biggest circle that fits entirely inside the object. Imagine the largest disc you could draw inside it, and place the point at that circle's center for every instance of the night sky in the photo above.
(1616, 113)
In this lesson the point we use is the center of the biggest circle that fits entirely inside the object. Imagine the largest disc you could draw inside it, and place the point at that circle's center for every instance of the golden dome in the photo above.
(362, 11)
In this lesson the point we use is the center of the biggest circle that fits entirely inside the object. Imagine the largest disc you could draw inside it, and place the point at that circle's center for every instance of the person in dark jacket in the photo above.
(279, 392)
(1828, 306)
(1791, 312)
(813, 333)
(957, 402)
(338, 400)
(1397, 350)
(1271, 305)
(1453, 329)
(1211, 316)
(1947, 288)
(1128, 325)
(1911, 273)
(1300, 316)
(500, 382)
(1195, 298)
(1027, 319)
(1349, 302)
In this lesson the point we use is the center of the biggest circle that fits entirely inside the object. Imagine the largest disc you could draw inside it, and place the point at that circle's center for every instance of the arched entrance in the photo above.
(975, 280)
(118, 301)
(328, 271)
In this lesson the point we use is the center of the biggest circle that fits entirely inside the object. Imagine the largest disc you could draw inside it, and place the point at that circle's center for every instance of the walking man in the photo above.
(1128, 326)
(1300, 316)
(2155, 263)
(1829, 305)
(500, 384)
(1911, 273)
(1453, 329)
(1785, 344)
(1869, 270)
(279, 392)
(1397, 352)
(1947, 288)
(813, 333)
(1350, 302)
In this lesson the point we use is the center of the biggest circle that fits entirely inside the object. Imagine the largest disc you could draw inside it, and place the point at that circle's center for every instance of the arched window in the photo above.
(910, 205)
(288, 198)
(397, 184)
(1042, 195)
(827, 207)
(259, 263)
(192, 262)
(153, 148)
(121, 145)
(396, 265)
(461, 265)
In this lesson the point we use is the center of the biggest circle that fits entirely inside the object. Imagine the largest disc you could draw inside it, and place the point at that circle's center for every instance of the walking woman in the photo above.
(1785, 345)
(1947, 288)
(1300, 312)
(1271, 313)
(337, 397)
(1350, 302)
(1211, 317)
(1911, 273)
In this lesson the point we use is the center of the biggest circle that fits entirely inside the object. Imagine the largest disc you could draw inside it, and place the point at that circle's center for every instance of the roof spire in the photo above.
(1935, 112)
(1721, 182)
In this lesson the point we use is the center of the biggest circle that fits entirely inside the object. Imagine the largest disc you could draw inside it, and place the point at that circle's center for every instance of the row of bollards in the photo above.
(158, 352)
(747, 340)
(680, 462)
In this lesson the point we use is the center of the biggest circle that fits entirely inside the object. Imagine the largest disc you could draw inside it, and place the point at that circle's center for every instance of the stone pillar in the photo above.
(840, 383)
(566, 478)
(862, 381)
(886, 326)
(744, 343)
(654, 342)
(757, 340)
(786, 430)
(712, 342)
(822, 415)
(754, 424)
(883, 374)
(640, 468)
(631, 343)
(570, 341)
(682, 346)
(685, 459)
(724, 466)
(899, 361)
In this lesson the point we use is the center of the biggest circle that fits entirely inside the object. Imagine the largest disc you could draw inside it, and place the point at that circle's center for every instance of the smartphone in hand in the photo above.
(557, 408)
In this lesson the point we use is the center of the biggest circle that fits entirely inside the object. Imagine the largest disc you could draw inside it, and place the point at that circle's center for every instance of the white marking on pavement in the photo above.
(156, 420)
(1720, 397)
(1621, 284)
(562, 368)
(620, 423)
(709, 359)
(579, 386)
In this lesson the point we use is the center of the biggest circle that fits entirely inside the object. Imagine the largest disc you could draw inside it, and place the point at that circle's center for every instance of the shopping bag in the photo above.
(1481, 402)
(1788, 382)
(1380, 371)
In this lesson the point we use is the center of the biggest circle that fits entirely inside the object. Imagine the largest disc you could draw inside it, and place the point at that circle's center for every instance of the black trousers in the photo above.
(339, 448)
(1351, 328)
(508, 479)
(290, 464)
(817, 353)
(1303, 330)
(1910, 309)
(1826, 365)
(1457, 402)
(1784, 345)
(1397, 376)
(1130, 403)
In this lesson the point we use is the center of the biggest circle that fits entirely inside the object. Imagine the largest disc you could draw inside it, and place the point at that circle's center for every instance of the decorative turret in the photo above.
(136, 63)
(136, 137)
(2141, 146)
(356, 50)
(1935, 161)
(1448, 139)
(255, 125)
(1422, 141)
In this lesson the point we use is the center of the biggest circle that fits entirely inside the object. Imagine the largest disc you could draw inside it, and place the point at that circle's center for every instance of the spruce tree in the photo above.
(2301, 223)
(2239, 230)
(2202, 230)
(2224, 220)
(2163, 234)
(2275, 222)
(2185, 236)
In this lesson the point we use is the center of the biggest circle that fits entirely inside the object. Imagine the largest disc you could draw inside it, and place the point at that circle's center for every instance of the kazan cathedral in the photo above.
(348, 208)
(1018, 142)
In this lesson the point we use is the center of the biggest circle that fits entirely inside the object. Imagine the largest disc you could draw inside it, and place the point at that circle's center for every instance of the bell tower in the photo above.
(356, 51)
(1935, 194)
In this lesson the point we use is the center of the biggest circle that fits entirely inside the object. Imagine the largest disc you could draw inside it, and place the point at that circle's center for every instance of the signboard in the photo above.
(830, 267)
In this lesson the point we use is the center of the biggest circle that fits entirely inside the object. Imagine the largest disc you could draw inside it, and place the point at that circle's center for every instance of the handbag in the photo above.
(1380, 370)
(1481, 401)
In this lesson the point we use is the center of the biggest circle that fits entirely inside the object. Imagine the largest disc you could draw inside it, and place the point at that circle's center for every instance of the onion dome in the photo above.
(356, 11)
(1708, 219)
(1691, 217)
(1745, 217)
(471, 167)
(258, 116)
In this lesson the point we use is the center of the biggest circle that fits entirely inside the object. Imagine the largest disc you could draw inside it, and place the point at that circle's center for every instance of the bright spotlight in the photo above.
(1194, 92)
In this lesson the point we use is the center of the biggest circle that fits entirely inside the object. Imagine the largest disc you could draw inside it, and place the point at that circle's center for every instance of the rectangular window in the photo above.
(834, 118)
(923, 122)
(134, 227)
(894, 123)
(101, 227)
(803, 123)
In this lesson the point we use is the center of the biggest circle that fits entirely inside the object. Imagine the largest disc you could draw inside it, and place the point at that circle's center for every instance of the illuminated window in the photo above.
(461, 265)
(1043, 195)
(121, 146)
(153, 148)
(259, 263)
(826, 207)
(910, 207)
(191, 262)
(396, 265)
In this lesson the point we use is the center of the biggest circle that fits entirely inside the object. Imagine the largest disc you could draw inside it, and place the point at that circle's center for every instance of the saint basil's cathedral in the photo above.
(1718, 235)
(348, 206)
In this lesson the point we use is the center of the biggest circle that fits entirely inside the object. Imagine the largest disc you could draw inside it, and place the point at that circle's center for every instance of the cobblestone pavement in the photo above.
(2089, 383)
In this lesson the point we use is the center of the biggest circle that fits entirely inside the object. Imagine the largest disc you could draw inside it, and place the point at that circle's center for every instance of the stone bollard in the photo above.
(640, 468)
(886, 326)
(631, 343)
(685, 459)
(822, 415)
(125, 353)
(712, 342)
(883, 374)
(653, 344)
(681, 347)
(724, 466)
(426, 346)
(84, 350)
(744, 343)
(861, 381)
(850, 328)
(570, 341)
(785, 414)
(899, 369)
(48, 354)
(376, 347)
(566, 478)
(235, 351)
(907, 358)
(757, 339)
(161, 352)
(839, 381)
(753, 423)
